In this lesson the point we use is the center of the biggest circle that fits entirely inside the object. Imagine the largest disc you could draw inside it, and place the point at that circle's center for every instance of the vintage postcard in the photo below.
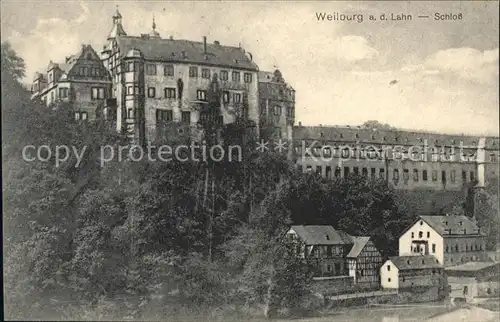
(250, 160)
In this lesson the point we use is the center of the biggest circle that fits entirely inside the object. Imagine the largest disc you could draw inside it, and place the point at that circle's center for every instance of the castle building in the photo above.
(277, 107)
(161, 82)
(81, 80)
(406, 160)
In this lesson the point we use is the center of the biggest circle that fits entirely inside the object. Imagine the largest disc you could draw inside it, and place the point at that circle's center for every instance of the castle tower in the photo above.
(117, 26)
(132, 112)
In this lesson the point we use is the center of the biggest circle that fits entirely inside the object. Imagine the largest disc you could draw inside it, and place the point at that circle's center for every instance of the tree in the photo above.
(12, 63)
(373, 124)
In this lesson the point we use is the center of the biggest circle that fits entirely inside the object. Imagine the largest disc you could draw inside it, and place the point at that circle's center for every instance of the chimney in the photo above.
(205, 44)
(216, 42)
(171, 37)
(300, 123)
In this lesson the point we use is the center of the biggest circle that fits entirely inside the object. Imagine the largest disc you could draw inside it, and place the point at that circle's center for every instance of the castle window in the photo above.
(395, 175)
(225, 97)
(415, 175)
(186, 117)
(224, 75)
(63, 92)
(364, 172)
(164, 115)
(170, 92)
(205, 73)
(193, 71)
(406, 175)
(464, 176)
(236, 98)
(201, 95)
(277, 110)
(452, 176)
(151, 92)
(151, 69)
(235, 76)
(97, 93)
(247, 78)
(434, 175)
(382, 173)
(169, 70)
(472, 176)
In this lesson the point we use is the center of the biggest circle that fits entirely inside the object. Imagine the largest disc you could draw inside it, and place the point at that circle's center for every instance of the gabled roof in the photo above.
(358, 244)
(171, 50)
(457, 225)
(415, 262)
(322, 235)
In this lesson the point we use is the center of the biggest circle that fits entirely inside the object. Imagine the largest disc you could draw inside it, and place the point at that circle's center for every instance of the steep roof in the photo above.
(358, 244)
(322, 235)
(175, 50)
(387, 136)
(415, 262)
(452, 225)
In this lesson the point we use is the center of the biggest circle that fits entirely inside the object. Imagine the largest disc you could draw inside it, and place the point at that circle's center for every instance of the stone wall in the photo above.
(332, 285)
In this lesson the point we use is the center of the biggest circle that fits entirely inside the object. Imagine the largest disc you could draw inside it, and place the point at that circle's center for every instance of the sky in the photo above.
(423, 74)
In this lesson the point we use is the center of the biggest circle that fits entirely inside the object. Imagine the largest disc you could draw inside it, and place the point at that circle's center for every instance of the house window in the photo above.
(235, 76)
(201, 95)
(329, 268)
(151, 69)
(328, 171)
(130, 113)
(428, 234)
(415, 175)
(382, 174)
(77, 116)
(225, 97)
(236, 98)
(443, 176)
(63, 92)
(80, 116)
(337, 172)
(364, 172)
(224, 75)
(151, 92)
(169, 70)
(420, 234)
(434, 175)
(346, 171)
(388, 268)
(130, 90)
(205, 73)
(472, 176)
(277, 110)
(164, 115)
(389, 279)
(169, 92)
(412, 235)
(247, 78)
(97, 93)
(452, 176)
(464, 176)
(433, 248)
(193, 71)
(355, 170)
(131, 66)
(424, 175)
(447, 248)
(186, 117)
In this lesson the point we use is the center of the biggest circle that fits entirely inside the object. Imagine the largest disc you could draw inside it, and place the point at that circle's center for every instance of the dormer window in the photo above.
(327, 237)
(423, 262)
(408, 262)
(460, 223)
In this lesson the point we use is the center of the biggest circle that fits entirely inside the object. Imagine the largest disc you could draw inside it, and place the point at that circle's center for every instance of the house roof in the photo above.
(187, 51)
(389, 136)
(472, 266)
(415, 262)
(358, 244)
(322, 235)
(452, 225)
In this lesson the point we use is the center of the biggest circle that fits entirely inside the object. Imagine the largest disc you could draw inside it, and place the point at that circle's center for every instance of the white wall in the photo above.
(391, 274)
(405, 241)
